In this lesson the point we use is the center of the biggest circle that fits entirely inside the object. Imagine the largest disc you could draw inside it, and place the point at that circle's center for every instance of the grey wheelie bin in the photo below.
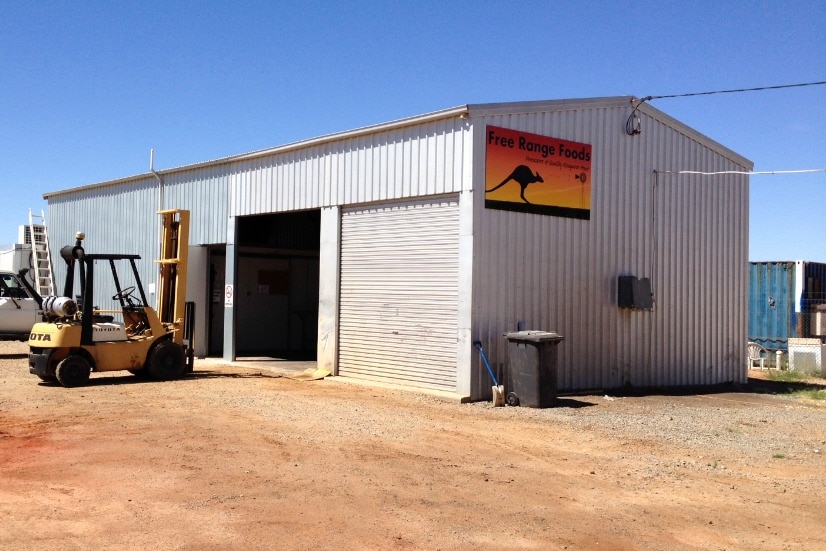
(532, 361)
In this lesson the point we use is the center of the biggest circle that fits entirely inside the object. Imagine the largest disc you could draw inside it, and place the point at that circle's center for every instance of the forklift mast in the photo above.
(173, 265)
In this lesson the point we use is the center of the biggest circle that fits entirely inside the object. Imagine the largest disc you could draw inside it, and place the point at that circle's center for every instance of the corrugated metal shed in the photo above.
(686, 233)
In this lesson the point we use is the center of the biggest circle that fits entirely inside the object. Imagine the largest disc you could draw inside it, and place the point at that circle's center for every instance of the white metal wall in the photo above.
(117, 219)
(120, 216)
(689, 234)
(396, 163)
(398, 320)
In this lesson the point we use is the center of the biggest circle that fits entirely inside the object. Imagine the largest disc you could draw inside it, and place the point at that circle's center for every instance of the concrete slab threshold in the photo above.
(277, 365)
(283, 367)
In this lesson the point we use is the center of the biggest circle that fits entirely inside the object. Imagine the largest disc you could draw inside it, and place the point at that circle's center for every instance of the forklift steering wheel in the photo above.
(126, 295)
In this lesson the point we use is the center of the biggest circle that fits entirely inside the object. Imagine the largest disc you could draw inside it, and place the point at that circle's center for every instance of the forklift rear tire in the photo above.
(73, 371)
(167, 361)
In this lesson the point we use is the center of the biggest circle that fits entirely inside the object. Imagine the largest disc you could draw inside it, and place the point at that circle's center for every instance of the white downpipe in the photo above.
(159, 208)
(157, 176)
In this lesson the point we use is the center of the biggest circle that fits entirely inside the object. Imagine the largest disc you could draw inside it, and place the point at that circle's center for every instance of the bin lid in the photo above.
(534, 336)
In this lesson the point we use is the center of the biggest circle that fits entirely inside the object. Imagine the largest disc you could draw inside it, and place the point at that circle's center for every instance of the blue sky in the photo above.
(88, 88)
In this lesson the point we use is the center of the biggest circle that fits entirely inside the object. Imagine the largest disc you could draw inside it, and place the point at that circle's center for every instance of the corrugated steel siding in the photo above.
(204, 191)
(117, 219)
(399, 293)
(121, 218)
(400, 163)
(689, 234)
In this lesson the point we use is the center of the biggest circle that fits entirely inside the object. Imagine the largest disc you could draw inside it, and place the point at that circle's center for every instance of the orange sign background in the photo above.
(539, 174)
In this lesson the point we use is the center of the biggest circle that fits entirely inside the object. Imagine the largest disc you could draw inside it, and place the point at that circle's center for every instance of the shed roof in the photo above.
(466, 111)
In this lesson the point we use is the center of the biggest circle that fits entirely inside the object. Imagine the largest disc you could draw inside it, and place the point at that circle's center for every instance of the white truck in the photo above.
(20, 298)
(20, 306)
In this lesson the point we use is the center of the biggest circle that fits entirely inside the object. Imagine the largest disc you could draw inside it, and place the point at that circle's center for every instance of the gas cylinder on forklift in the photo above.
(77, 339)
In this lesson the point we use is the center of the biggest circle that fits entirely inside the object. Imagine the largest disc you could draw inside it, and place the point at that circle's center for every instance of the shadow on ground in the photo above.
(755, 385)
(127, 379)
(768, 386)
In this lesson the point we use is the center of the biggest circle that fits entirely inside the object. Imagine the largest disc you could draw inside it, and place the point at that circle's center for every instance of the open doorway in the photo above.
(276, 291)
(217, 278)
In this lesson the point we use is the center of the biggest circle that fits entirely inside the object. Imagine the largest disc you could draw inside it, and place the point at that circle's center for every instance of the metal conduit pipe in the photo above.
(157, 176)
(160, 198)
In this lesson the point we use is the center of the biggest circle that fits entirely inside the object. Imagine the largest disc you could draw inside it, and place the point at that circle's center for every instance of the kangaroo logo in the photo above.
(524, 176)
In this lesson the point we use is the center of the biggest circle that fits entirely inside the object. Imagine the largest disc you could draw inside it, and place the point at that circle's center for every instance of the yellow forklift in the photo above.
(78, 339)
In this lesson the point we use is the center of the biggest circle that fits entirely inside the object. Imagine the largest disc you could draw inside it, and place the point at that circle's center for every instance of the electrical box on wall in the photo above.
(634, 293)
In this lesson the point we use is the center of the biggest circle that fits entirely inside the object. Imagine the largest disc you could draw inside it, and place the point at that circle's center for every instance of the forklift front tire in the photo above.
(167, 361)
(73, 371)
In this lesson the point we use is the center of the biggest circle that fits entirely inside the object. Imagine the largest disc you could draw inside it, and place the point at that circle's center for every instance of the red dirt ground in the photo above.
(235, 458)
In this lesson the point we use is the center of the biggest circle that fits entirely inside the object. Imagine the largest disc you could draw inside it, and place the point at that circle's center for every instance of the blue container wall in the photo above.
(776, 310)
(772, 318)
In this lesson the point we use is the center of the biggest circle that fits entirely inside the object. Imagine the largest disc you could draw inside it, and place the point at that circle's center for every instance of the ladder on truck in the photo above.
(42, 259)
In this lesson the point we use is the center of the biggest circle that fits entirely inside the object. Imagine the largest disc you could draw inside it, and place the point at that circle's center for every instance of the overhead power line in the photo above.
(632, 125)
(758, 89)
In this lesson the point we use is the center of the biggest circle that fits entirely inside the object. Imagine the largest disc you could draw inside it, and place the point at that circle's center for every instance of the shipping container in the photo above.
(786, 300)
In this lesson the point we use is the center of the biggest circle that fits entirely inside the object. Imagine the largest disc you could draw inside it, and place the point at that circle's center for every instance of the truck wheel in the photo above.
(73, 370)
(167, 361)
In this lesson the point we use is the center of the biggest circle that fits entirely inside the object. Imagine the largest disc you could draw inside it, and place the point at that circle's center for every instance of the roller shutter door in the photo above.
(399, 293)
